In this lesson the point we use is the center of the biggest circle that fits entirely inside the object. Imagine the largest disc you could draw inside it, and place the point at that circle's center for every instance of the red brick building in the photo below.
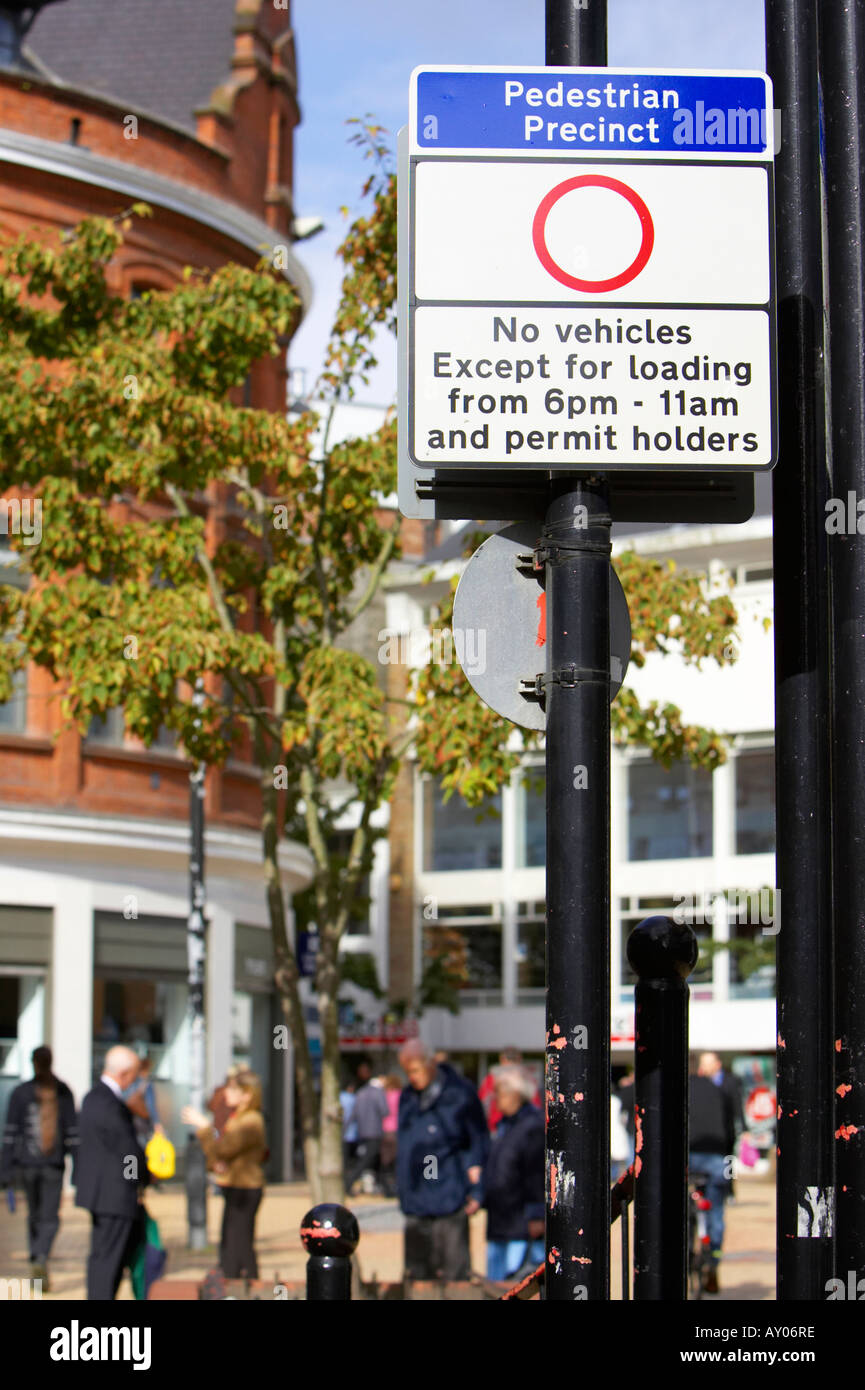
(189, 106)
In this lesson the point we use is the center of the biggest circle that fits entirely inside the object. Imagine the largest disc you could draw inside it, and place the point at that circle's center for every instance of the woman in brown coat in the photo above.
(236, 1157)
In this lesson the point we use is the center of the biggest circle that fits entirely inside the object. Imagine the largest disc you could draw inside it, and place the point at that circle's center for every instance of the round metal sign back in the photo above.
(499, 626)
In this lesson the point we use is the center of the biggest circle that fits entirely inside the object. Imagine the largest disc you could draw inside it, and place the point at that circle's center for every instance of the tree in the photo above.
(186, 536)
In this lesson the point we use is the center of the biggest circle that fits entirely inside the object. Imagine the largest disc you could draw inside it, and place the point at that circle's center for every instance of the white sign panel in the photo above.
(519, 231)
(586, 272)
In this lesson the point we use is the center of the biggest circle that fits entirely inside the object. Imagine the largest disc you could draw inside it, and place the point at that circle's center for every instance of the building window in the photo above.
(457, 836)
(107, 729)
(531, 820)
(531, 951)
(669, 812)
(754, 574)
(755, 801)
(166, 740)
(753, 928)
(464, 946)
(13, 712)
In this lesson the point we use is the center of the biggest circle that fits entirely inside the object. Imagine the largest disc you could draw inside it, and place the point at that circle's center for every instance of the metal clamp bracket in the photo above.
(568, 677)
(532, 565)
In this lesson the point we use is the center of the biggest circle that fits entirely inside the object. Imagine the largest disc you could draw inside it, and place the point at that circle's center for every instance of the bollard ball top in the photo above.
(661, 949)
(329, 1229)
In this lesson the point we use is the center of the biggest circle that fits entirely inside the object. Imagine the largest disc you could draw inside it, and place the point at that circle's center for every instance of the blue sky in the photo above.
(355, 58)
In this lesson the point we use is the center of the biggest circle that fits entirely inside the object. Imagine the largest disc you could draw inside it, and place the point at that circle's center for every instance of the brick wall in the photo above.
(241, 152)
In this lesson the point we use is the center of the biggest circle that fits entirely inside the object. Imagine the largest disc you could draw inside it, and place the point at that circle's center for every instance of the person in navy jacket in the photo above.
(442, 1145)
(514, 1177)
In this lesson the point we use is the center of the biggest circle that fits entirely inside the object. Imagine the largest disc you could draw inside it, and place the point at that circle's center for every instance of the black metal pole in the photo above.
(663, 954)
(329, 1234)
(576, 35)
(576, 541)
(800, 488)
(196, 1168)
(841, 50)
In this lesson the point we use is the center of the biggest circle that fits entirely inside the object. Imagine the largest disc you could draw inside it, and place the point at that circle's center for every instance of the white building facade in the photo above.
(93, 952)
(684, 842)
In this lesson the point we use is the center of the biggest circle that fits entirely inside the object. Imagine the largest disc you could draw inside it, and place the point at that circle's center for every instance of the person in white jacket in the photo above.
(620, 1140)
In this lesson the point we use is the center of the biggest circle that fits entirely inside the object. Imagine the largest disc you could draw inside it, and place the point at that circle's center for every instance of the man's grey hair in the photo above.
(515, 1079)
(416, 1050)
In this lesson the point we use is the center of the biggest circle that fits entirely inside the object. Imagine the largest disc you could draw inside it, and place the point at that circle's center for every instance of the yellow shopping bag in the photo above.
(160, 1156)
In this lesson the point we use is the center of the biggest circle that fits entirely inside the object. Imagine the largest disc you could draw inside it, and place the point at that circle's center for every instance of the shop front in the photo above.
(93, 952)
(25, 978)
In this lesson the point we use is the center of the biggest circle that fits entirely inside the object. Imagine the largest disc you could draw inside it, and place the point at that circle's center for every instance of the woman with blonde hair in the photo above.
(237, 1158)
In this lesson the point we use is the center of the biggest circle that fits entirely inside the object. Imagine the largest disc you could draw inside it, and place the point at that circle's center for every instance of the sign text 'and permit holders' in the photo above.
(586, 271)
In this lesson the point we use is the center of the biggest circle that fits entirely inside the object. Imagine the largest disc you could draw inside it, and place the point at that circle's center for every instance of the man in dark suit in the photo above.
(110, 1173)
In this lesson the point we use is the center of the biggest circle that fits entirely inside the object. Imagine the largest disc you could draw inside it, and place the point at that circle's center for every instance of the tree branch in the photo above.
(377, 571)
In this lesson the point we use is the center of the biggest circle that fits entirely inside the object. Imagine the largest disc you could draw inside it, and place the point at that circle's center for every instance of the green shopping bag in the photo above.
(148, 1262)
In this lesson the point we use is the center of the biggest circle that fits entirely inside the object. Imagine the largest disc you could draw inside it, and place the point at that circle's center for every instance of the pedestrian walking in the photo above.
(370, 1112)
(710, 1065)
(508, 1057)
(620, 1139)
(392, 1092)
(110, 1172)
(41, 1129)
(141, 1100)
(513, 1179)
(237, 1158)
(442, 1145)
(711, 1139)
(349, 1128)
(625, 1092)
(217, 1104)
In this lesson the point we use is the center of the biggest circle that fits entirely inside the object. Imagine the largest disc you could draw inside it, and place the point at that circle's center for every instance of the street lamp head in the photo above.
(16, 17)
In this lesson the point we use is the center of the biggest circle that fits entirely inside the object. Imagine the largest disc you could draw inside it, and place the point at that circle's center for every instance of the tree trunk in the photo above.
(287, 978)
(330, 1119)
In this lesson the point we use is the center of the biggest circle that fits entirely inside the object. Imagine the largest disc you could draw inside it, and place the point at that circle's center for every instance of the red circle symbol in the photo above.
(539, 226)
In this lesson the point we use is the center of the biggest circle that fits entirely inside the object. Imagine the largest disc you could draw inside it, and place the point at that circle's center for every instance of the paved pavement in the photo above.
(748, 1268)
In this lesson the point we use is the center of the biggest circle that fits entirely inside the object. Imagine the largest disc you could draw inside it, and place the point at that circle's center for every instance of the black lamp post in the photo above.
(196, 1170)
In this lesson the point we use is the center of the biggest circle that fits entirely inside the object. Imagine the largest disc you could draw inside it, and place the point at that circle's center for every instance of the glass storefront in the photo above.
(25, 956)
(140, 998)
(253, 1016)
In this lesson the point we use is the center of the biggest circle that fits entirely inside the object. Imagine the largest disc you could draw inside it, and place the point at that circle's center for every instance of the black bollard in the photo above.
(663, 954)
(330, 1235)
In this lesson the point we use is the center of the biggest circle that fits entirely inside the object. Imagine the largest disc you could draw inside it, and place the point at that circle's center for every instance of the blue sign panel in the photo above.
(566, 110)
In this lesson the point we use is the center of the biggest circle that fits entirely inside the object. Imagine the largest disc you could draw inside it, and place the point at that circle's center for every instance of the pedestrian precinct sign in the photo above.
(586, 272)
